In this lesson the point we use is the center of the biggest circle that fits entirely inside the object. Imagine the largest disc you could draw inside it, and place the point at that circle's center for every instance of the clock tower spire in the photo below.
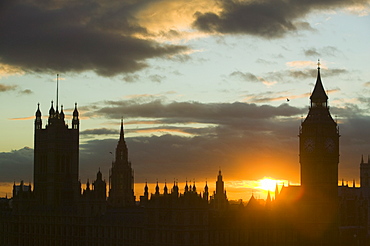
(319, 159)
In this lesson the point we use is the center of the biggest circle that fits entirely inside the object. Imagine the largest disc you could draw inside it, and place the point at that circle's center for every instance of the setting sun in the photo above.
(267, 184)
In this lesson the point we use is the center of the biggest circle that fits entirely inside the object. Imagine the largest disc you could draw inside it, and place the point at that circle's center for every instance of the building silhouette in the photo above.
(59, 212)
(121, 176)
(319, 159)
(56, 159)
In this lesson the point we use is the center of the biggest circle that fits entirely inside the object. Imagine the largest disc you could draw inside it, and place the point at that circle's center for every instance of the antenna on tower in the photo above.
(57, 89)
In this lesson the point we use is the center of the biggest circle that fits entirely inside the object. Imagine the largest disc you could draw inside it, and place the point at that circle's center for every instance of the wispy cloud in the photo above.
(302, 64)
(324, 51)
(4, 88)
(26, 92)
(300, 69)
(23, 118)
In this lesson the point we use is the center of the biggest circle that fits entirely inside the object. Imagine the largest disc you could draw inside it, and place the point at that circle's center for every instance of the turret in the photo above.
(205, 193)
(100, 186)
(175, 189)
(51, 113)
(61, 115)
(38, 120)
(75, 120)
(157, 189)
(146, 191)
(165, 189)
(186, 187)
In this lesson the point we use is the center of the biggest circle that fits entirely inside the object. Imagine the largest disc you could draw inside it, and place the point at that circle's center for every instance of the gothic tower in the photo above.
(56, 159)
(121, 179)
(319, 158)
(219, 198)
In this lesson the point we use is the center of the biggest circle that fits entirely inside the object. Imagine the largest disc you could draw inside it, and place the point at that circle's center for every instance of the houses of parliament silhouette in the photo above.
(59, 212)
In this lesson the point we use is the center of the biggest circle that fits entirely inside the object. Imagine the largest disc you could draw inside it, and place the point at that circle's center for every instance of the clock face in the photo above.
(329, 145)
(309, 144)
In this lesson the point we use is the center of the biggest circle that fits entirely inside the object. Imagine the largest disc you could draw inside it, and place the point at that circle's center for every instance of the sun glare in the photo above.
(267, 184)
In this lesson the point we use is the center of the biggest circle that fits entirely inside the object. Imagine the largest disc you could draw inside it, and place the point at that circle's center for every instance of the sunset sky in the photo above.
(202, 85)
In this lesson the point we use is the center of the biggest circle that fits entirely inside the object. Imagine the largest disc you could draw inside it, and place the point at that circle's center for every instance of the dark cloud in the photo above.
(217, 135)
(183, 112)
(16, 165)
(75, 37)
(4, 88)
(100, 131)
(268, 19)
(254, 147)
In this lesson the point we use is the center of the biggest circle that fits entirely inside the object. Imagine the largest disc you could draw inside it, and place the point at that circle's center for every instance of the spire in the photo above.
(165, 188)
(268, 199)
(318, 96)
(61, 112)
(88, 185)
(205, 193)
(121, 134)
(75, 120)
(51, 110)
(75, 112)
(99, 175)
(38, 121)
(186, 186)
(362, 159)
(157, 189)
(38, 112)
(175, 189)
(146, 188)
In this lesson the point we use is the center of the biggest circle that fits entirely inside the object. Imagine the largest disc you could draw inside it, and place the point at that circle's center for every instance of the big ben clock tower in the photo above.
(319, 158)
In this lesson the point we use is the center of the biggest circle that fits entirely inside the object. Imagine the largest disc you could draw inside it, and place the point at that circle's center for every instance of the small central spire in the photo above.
(121, 135)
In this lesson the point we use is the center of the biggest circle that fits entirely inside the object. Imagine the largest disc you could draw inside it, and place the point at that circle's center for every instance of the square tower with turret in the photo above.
(56, 159)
